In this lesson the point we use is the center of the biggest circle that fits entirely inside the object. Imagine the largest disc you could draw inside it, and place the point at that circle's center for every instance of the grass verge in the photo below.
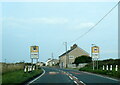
(19, 77)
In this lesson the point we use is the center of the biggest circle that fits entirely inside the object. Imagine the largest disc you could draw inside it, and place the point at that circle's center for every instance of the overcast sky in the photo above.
(50, 24)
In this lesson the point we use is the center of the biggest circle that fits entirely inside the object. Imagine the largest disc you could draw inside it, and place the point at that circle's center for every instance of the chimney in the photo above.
(74, 46)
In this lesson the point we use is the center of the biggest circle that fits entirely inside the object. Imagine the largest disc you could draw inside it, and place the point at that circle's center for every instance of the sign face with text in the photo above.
(34, 52)
(95, 49)
(95, 52)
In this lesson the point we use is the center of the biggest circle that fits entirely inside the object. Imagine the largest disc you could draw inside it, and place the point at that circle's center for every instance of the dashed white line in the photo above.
(82, 82)
(71, 74)
(70, 77)
(76, 82)
(75, 77)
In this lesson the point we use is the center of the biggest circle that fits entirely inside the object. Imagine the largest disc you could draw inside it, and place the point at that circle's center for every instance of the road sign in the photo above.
(95, 52)
(34, 52)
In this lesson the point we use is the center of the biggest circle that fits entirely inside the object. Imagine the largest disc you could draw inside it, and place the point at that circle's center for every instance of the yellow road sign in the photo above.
(95, 49)
(34, 52)
(34, 49)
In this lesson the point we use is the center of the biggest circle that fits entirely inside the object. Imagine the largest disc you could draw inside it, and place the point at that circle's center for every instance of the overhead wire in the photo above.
(95, 24)
(91, 27)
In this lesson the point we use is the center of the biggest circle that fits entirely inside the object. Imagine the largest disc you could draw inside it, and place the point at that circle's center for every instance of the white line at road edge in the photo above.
(101, 76)
(37, 77)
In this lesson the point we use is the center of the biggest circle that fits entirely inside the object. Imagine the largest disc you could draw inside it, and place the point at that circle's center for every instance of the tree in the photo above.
(82, 59)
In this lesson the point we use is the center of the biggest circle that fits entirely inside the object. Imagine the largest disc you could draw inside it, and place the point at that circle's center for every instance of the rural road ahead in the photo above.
(57, 76)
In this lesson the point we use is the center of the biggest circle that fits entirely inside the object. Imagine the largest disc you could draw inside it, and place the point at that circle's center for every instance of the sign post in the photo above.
(34, 53)
(95, 55)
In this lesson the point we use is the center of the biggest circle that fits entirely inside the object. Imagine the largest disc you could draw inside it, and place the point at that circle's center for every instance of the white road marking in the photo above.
(71, 74)
(75, 77)
(53, 73)
(37, 77)
(70, 77)
(76, 82)
(68, 74)
(82, 82)
(101, 76)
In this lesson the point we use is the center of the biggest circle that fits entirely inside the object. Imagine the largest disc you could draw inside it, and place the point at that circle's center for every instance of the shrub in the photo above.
(82, 59)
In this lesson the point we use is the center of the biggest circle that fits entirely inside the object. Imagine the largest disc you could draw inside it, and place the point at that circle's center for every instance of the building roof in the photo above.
(66, 52)
(72, 48)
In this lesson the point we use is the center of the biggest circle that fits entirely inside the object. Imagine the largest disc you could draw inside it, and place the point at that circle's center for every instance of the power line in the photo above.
(94, 25)
(59, 49)
(91, 27)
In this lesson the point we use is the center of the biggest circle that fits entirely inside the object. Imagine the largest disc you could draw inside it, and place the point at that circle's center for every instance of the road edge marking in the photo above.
(36, 78)
(101, 76)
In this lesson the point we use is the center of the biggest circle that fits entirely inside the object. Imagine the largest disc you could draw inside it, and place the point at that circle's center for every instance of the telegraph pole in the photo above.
(66, 54)
(66, 46)
(5, 60)
(52, 59)
(52, 56)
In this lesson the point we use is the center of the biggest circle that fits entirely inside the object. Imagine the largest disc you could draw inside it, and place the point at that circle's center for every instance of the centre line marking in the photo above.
(70, 77)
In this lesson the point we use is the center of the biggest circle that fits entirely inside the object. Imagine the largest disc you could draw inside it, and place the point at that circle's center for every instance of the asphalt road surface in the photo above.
(57, 76)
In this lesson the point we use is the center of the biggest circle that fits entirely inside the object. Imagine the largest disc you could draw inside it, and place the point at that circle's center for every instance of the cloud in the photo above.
(84, 25)
(43, 20)
(50, 20)
(67, 23)
(110, 51)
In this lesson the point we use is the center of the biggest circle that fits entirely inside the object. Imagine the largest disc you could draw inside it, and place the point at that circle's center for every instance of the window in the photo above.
(71, 57)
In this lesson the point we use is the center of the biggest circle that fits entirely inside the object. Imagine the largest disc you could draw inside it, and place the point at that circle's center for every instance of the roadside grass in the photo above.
(113, 73)
(19, 77)
(6, 67)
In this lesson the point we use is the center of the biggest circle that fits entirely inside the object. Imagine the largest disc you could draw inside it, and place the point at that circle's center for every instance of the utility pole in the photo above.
(52, 59)
(97, 63)
(52, 56)
(93, 58)
(5, 60)
(66, 54)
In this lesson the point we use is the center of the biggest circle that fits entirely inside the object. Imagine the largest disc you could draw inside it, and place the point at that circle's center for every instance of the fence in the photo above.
(30, 68)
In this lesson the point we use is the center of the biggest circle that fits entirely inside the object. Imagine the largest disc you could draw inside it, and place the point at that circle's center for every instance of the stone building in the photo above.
(52, 62)
(67, 58)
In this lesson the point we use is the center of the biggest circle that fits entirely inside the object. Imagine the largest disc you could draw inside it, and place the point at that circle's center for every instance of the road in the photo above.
(57, 76)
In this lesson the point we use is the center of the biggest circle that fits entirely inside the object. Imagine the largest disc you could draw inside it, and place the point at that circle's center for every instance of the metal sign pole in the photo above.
(97, 63)
(95, 56)
(93, 65)
(92, 56)
(31, 61)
